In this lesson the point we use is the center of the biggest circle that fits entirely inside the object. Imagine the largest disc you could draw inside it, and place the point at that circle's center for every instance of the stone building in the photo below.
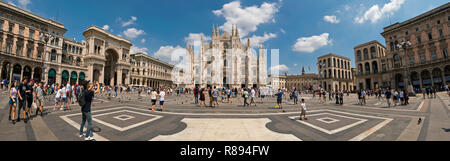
(335, 72)
(302, 82)
(423, 62)
(224, 61)
(276, 82)
(33, 47)
(150, 72)
(369, 65)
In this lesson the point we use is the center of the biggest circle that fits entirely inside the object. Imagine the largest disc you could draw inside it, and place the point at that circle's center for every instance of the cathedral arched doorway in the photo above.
(73, 78)
(400, 84)
(110, 74)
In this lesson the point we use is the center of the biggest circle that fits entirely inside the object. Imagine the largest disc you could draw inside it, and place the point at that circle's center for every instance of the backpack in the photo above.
(81, 98)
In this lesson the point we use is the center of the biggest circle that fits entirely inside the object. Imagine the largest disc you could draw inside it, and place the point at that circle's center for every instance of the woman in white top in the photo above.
(57, 97)
(13, 102)
(153, 98)
(303, 110)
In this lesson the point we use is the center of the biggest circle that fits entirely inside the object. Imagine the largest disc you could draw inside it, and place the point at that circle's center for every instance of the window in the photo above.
(419, 40)
(373, 52)
(417, 29)
(338, 64)
(9, 47)
(329, 62)
(53, 56)
(433, 54)
(334, 62)
(31, 34)
(21, 31)
(392, 46)
(406, 33)
(445, 53)
(396, 45)
(439, 22)
(430, 36)
(358, 55)
(29, 52)
(411, 60)
(422, 57)
(441, 34)
(397, 61)
(39, 54)
(11, 27)
(1, 25)
(366, 54)
(57, 41)
(383, 67)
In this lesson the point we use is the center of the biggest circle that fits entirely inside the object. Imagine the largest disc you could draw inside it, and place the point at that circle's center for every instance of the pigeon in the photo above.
(420, 121)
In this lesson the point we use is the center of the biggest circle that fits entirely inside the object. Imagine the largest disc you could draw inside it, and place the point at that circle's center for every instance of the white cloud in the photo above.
(106, 27)
(259, 40)
(129, 22)
(347, 7)
(375, 13)
(249, 18)
(143, 41)
(311, 44)
(195, 39)
(133, 33)
(135, 49)
(283, 31)
(295, 65)
(279, 69)
(24, 3)
(331, 19)
(170, 54)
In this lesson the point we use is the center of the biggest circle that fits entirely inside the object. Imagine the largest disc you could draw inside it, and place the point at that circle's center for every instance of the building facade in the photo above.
(424, 62)
(303, 81)
(150, 72)
(369, 65)
(33, 47)
(335, 72)
(276, 82)
(224, 62)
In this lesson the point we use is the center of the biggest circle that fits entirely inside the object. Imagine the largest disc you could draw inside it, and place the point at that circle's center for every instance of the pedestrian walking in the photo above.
(303, 110)
(153, 98)
(85, 100)
(13, 102)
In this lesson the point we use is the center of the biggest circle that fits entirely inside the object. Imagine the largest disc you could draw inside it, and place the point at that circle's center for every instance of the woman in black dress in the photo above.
(202, 98)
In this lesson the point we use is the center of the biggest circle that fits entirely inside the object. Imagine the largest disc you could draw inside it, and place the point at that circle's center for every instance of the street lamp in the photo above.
(46, 36)
(321, 65)
(405, 45)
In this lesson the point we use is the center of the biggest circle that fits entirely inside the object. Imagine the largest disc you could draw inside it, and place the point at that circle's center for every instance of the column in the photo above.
(119, 76)
(21, 73)
(10, 74)
(32, 73)
(420, 79)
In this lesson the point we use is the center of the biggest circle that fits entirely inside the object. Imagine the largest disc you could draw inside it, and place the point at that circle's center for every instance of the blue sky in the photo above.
(298, 28)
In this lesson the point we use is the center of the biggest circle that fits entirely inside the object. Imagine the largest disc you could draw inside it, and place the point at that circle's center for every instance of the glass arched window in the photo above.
(373, 52)
(366, 54)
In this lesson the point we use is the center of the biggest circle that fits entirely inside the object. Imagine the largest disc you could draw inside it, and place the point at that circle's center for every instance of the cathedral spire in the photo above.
(303, 70)
(213, 31)
(232, 30)
(237, 31)
(248, 42)
(217, 32)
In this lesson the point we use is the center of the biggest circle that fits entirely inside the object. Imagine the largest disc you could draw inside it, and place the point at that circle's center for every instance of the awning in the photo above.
(52, 73)
(65, 75)
(82, 77)
(74, 75)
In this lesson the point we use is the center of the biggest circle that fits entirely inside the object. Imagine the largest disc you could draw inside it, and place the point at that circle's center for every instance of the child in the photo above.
(303, 110)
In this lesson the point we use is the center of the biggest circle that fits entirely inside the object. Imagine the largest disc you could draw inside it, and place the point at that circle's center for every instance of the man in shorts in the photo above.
(161, 95)
(39, 97)
(215, 95)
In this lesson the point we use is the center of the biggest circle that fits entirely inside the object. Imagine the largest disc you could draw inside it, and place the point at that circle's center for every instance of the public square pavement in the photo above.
(128, 118)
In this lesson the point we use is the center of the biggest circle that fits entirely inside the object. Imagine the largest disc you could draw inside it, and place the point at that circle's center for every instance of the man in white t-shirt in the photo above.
(161, 95)
(253, 99)
(63, 97)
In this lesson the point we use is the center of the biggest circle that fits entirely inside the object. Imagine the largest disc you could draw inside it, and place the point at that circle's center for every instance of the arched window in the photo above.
(391, 46)
(375, 67)
(367, 68)
(373, 52)
(358, 55)
(366, 54)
